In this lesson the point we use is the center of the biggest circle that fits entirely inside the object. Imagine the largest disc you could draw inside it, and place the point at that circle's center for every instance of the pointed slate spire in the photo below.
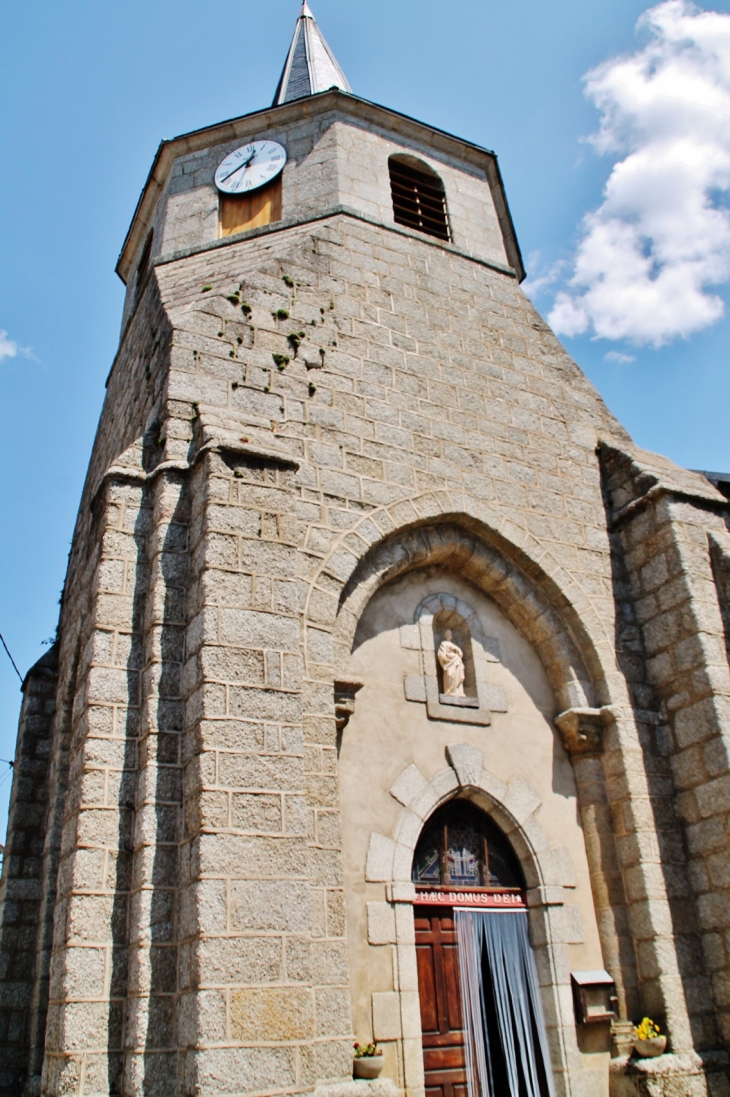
(310, 65)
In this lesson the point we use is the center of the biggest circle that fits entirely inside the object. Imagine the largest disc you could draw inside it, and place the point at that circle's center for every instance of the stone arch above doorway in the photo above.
(547, 870)
(512, 806)
(528, 597)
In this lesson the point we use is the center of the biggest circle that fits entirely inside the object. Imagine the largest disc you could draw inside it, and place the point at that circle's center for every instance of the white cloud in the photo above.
(8, 347)
(651, 252)
(619, 358)
(538, 276)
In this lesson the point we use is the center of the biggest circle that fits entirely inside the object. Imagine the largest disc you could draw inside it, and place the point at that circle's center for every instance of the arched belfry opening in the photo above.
(419, 199)
(483, 1030)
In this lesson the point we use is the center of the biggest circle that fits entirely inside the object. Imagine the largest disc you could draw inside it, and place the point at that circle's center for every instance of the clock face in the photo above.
(250, 167)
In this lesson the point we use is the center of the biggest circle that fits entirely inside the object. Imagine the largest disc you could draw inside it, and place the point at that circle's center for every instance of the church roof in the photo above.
(310, 66)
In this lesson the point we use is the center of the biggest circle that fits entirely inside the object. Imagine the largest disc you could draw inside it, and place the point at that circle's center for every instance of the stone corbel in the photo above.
(345, 690)
(581, 729)
(241, 434)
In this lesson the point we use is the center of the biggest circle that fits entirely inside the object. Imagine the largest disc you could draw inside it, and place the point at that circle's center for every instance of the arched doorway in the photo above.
(481, 1017)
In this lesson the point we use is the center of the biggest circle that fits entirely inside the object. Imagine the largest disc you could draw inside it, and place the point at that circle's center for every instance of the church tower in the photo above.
(391, 696)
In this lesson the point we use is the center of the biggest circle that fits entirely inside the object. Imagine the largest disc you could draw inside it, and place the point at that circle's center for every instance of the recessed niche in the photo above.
(445, 621)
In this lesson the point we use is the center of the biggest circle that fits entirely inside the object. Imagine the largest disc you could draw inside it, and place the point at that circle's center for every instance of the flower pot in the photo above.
(648, 1049)
(369, 1066)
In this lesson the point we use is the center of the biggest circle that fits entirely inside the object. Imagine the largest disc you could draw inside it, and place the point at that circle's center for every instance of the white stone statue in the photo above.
(451, 658)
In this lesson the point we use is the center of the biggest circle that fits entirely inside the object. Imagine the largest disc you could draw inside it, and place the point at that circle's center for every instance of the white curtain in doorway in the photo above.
(504, 1028)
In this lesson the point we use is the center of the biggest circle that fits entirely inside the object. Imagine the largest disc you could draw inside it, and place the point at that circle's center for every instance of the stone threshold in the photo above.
(378, 1087)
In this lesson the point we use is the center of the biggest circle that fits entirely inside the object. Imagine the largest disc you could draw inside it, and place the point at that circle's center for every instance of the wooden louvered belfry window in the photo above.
(419, 201)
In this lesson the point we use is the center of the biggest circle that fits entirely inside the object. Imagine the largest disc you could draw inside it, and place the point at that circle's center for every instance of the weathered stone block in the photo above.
(332, 1012)
(380, 858)
(257, 813)
(236, 960)
(381, 924)
(282, 1013)
(381, 1087)
(386, 1016)
(408, 786)
(521, 800)
(466, 761)
(218, 1070)
(262, 905)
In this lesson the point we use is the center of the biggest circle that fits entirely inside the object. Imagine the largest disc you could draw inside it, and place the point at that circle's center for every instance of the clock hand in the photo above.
(244, 165)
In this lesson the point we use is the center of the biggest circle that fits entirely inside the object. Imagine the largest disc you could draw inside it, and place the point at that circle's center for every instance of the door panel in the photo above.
(427, 988)
(440, 995)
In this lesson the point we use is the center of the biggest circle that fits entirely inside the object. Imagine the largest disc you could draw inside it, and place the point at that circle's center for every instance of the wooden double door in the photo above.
(439, 989)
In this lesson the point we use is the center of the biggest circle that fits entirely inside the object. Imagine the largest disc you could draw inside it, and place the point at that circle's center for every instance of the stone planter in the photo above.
(369, 1066)
(649, 1049)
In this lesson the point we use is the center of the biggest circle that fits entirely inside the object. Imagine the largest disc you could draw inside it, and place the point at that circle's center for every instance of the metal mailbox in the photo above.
(594, 996)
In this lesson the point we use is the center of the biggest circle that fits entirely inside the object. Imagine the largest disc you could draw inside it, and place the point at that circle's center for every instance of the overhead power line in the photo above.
(7, 649)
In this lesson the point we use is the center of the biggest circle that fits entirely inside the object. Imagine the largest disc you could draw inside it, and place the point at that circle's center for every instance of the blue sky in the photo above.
(90, 89)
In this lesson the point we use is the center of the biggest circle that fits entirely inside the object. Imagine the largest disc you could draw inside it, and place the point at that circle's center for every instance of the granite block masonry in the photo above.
(310, 428)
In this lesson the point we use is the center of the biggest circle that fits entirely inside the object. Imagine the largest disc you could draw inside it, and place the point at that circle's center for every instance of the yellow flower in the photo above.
(647, 1030)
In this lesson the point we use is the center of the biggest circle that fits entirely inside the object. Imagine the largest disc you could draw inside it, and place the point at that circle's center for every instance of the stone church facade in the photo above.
(327, 436)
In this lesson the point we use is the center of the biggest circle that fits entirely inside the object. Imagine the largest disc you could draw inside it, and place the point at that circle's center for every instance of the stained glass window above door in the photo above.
(460, 846)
